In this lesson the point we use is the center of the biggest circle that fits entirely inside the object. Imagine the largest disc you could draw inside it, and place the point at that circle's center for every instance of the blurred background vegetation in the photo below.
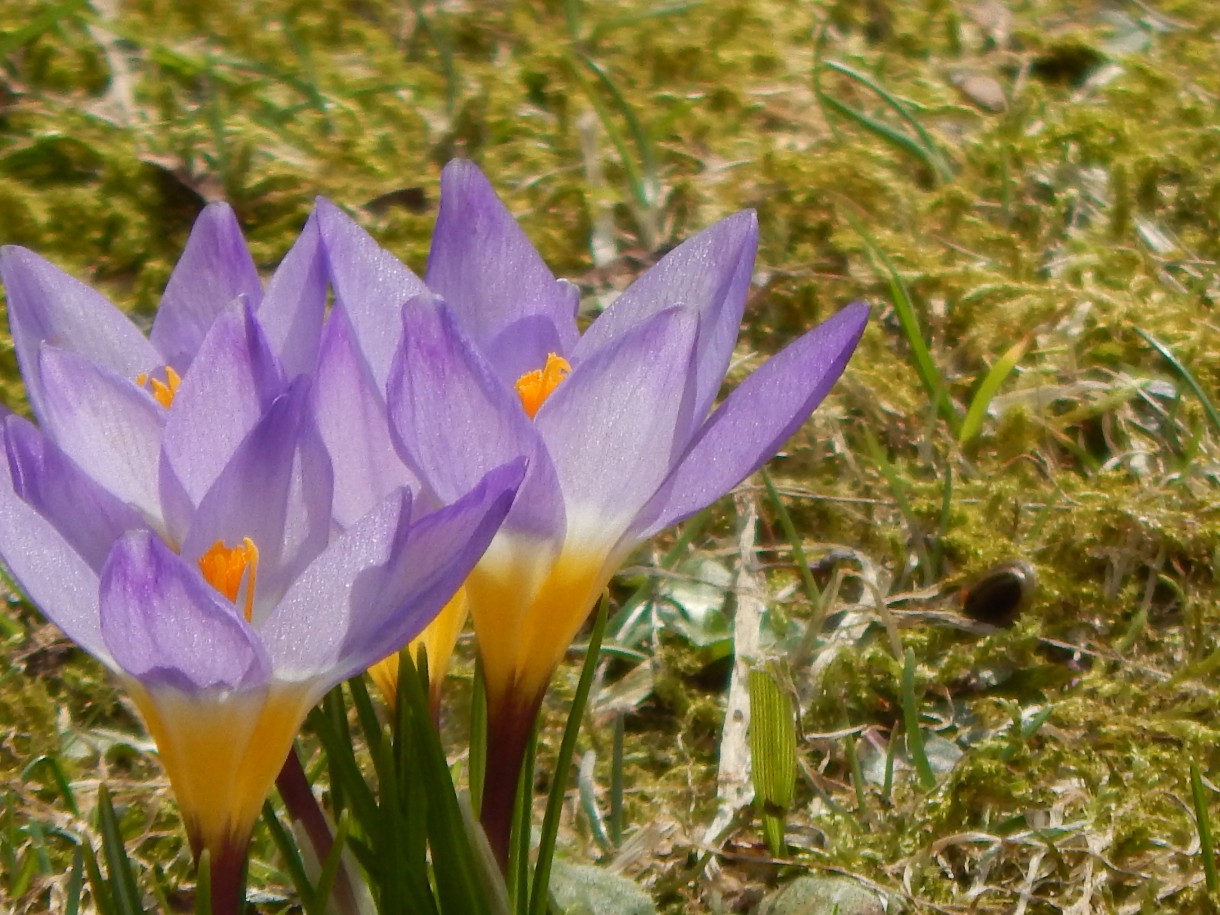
(1029, 195)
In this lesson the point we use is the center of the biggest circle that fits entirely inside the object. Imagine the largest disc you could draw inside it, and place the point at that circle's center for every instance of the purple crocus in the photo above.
(189, 512)
(619, 424)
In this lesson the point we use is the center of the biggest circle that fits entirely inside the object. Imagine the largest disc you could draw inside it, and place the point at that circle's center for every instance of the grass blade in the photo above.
(910, 717)
(972, 425)
(1186, 375)
(929, 374)
(1206, 848)
(118, 865)
(540, 894)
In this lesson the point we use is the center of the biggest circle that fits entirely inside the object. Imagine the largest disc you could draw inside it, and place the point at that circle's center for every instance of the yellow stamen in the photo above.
(163, 391)
(535, 387)
(224, 567)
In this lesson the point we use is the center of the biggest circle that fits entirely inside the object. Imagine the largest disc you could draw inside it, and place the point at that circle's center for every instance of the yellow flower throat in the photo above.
(535, 387)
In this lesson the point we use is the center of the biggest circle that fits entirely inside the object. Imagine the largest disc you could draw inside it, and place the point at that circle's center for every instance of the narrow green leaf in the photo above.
(773, 755)
(103, 900)
(476, 770)
(288, 850)
(118, 865)
(972, 425)
(76, 883)
(1186, 375)
(904, 308)
(1207, 849)
(910, 716)
(540, 893)
(203, 884)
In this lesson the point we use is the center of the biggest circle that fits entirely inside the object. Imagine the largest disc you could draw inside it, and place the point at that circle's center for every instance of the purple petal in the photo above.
(291, 312)
(756, 419)
(88, 517)
(277, 490)
(483, 265)
(352, 419)
(439, 373)
(165, 626)
(50, 572)
(231, 383)
(382, 581)
(215, 268)
(709, 273)
(523, 347)
(106, 425)
(613, 426)
(45, 305)
(370, 284)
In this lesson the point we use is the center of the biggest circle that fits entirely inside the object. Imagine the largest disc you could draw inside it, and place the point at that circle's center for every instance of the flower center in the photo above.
(224, 568)
(535, 387)
(163, 391)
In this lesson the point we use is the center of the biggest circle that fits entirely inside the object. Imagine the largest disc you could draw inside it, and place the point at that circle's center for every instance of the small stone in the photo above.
(582, 889)
(823, 894)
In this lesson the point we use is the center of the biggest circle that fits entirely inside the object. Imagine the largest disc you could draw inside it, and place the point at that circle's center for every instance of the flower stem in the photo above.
(509, 726)
(303, 807)
(227, 869)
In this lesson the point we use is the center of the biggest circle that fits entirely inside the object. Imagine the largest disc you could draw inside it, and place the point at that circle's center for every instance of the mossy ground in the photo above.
(1066, 200)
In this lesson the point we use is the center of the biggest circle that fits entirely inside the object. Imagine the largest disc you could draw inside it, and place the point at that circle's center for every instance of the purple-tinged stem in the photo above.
(509, 726)
(303, 807)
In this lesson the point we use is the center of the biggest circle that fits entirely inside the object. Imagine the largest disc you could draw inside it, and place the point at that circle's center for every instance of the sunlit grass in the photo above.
(1039, 382)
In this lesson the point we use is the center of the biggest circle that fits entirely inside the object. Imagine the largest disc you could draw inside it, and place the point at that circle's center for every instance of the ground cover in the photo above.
(1029, 196)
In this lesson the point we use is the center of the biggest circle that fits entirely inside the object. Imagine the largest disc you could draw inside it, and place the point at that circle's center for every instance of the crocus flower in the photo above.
(182, 513)
(619, 424)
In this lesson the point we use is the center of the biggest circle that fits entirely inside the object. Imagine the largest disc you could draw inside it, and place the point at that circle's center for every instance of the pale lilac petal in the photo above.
(227, 390)
(454, 421)
(215, 268)
(292, 310)
(165, 626)
(756, 419)
(89, 517)
(382, 581)
(277, 490)
(106, 424)
(351, 417)
(370, 284)
(523, 346)
(49, 571)
(45, 305)
(611, 427)
(709, 273)
(483, 265)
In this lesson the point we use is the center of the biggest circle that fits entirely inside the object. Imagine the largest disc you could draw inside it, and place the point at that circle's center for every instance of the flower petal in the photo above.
(165, 626)
(230, 385)
(370, 284)
(89, 517)
(51, 573)
(613, 426)
(106, 425)
(276, 490)
(45, 305)
(756, 419)
(382, 581)
(439, 373)
(352, 420)
(215, 268)
(483, 265)
(292, 310)
(709, 273)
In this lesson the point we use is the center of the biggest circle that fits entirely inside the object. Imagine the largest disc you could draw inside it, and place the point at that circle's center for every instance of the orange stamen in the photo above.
(163, 391)
(224, 567)
(535, 387)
